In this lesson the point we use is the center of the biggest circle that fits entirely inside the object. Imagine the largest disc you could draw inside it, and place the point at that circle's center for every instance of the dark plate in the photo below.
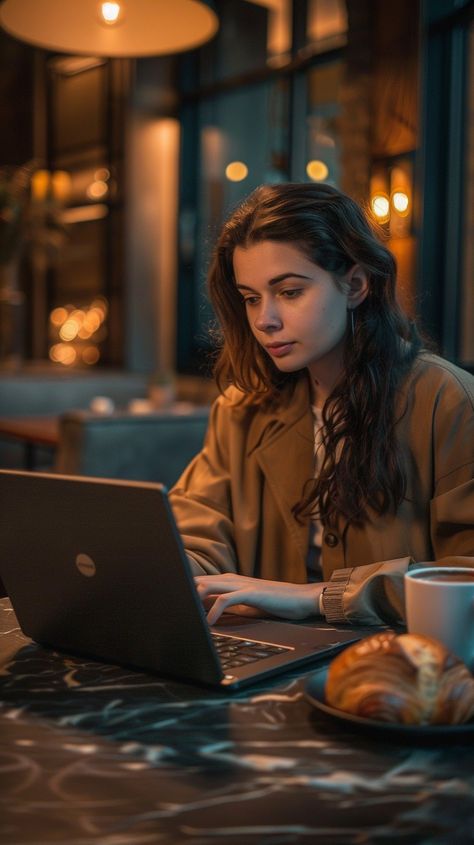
(315, 694)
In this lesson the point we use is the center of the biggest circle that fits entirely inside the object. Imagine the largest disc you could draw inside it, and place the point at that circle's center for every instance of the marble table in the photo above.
(94, 753)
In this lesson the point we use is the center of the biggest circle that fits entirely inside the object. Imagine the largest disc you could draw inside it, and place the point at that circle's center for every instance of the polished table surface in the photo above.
(33, 433)
(93, 753)
(40, 431)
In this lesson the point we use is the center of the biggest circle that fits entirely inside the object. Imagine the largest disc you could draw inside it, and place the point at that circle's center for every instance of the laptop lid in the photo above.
(97, 567)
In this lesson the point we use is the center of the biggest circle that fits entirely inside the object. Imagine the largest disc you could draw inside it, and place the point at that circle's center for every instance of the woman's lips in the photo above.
(279, 349)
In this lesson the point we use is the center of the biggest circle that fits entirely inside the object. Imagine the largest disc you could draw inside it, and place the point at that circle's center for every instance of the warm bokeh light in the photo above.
(62, 353)
(102, 174)
(94, 317)
(69, 329)
(84, 333)
(40, 185)
(401, 202)
(236, 171)
(58, 316)
(317, 170)
(79, 331)
(111, 13)
(90, 355)
(100, 302)
(381, 207)
(47, 185)
(79, 315)
(97, 189)
(60, 185)
(91, 323)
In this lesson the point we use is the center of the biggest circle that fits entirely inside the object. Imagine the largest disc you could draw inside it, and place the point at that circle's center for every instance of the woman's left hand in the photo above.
(278, 598)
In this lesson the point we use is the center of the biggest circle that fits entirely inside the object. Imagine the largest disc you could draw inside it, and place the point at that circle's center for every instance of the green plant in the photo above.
(25, 221)
(14, 202)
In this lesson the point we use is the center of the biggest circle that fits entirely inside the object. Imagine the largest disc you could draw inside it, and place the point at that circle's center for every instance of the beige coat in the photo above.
(233, 503)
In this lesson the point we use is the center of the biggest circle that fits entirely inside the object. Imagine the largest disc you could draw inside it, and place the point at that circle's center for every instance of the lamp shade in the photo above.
(143, 27)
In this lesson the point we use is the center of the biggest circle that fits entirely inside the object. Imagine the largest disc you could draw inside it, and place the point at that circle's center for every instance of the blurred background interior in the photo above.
(117, 170)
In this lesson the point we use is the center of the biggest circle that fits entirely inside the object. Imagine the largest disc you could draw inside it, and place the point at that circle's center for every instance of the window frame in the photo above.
(445, 30)
(194, 354)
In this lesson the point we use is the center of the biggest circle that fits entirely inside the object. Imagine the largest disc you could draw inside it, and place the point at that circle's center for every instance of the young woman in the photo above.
(340, 452)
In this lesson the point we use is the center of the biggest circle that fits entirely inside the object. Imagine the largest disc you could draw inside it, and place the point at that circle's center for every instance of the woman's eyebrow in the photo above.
(277, 279)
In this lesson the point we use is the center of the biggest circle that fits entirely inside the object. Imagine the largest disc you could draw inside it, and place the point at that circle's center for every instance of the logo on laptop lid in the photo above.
(85, 565)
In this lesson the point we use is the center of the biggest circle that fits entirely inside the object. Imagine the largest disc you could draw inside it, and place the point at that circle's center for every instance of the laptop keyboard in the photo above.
(234, 652)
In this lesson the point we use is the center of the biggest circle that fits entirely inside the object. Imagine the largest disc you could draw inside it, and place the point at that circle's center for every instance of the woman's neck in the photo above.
(324, 375)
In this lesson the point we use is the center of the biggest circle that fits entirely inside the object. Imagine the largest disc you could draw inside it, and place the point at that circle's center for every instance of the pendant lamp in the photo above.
(125, 28)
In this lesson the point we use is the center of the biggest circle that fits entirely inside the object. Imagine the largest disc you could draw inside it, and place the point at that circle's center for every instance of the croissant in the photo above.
(405, 678)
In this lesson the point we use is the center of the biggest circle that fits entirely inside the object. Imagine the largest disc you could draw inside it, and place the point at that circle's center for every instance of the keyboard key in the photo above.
(234, 652)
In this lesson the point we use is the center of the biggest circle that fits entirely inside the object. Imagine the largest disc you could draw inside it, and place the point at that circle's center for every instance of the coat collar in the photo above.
(272, 424)
(283, 445)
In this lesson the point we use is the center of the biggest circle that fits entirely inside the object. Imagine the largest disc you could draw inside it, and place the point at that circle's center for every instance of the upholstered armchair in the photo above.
(144, 447)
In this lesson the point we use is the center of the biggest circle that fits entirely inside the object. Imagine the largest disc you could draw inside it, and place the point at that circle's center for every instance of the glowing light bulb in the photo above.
(111, 13)
(236, 171)
(380, 207)
(400, 202)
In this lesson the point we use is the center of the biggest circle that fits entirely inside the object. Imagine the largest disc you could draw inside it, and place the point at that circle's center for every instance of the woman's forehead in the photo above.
(270, 252)
(270, 262)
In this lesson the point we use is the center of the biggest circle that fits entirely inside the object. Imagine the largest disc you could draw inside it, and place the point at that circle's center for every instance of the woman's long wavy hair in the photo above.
(363, 467)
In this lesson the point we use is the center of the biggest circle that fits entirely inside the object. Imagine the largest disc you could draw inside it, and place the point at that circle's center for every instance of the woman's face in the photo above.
(294, 309)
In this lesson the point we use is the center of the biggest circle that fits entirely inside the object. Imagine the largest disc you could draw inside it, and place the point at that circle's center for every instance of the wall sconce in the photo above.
(401, 199)
(113, 29)
(391, 196)
(380, 195)
(52, 186)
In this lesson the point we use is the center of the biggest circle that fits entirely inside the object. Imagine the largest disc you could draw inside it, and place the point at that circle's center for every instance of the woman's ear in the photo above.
(358, 285)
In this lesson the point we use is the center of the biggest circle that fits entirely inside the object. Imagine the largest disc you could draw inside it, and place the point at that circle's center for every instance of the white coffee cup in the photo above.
(439, 603)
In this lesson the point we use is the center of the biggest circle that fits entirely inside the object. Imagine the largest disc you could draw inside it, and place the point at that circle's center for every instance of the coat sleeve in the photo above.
(374, 594)
(201, 501)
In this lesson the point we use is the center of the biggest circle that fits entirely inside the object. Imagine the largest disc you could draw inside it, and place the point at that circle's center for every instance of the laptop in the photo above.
(96, 567)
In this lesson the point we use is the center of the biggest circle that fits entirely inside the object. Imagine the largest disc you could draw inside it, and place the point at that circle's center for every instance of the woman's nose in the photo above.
(267, 320)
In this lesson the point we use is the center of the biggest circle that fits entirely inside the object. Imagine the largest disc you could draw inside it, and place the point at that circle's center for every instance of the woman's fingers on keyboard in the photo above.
(278, 598)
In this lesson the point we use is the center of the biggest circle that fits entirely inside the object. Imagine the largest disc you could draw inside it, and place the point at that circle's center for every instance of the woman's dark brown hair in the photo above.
(362, 467)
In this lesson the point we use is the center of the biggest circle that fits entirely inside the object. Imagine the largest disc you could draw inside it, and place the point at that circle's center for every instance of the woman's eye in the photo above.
(250, 300)
(291, 293)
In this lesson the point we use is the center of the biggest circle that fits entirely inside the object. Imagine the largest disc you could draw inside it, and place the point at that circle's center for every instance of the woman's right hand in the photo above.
(277, 598)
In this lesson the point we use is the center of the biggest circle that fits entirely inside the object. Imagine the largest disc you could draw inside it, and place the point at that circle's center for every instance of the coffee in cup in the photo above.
(464, 577)
(439, 603)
